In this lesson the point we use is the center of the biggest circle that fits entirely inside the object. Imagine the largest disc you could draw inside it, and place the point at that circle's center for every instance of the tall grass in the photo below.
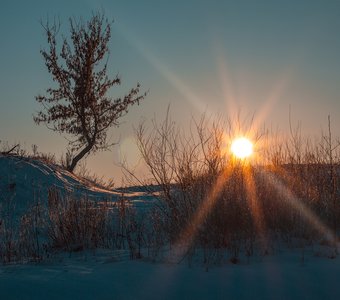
(212, 201)
(68, 223)
(208, 204)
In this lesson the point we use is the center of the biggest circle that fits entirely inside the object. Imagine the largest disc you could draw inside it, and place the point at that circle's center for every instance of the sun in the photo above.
(242, 147)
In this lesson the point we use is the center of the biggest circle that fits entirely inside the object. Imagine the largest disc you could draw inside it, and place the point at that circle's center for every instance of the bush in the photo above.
(209, 200)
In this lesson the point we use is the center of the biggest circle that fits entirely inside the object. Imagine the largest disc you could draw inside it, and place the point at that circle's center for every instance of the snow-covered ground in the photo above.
(105, 274)
(26, 180)
(108, 275)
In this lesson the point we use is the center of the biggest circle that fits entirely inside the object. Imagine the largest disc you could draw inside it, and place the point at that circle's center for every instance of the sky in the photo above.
(268, 58)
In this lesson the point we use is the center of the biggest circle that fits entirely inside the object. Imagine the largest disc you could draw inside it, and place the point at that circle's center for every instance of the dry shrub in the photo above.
(210, 201)
(75, 224)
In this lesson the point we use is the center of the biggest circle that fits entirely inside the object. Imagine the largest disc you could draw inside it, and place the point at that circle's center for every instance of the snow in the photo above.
(30, 175)
(110, 274)
(27, 180)
(103, 275)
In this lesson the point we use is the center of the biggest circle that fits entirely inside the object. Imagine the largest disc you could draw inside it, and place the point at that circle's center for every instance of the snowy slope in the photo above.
(25, 181)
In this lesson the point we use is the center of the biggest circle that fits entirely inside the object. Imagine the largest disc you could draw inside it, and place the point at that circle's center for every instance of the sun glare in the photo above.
(242, 147)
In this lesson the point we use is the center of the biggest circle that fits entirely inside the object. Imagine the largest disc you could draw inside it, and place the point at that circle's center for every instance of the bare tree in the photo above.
(80, 106)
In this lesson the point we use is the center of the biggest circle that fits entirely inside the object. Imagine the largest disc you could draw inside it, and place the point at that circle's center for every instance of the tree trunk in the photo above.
(79, 156)
(10, 150)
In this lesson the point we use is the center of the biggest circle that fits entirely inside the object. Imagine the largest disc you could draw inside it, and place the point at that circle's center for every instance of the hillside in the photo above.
(25, 181)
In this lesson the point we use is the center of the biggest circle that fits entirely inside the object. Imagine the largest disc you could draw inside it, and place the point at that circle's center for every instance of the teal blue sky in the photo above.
(262, 57)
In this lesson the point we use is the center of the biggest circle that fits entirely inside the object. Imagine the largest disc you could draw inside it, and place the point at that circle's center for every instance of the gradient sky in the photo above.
(262, 57)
